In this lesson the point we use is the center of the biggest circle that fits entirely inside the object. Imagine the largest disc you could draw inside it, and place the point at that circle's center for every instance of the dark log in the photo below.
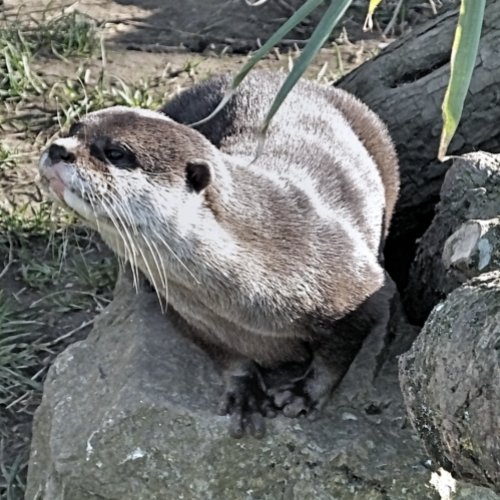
(405, 85)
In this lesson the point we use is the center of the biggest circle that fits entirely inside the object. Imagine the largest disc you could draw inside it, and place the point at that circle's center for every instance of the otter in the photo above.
(272, 264)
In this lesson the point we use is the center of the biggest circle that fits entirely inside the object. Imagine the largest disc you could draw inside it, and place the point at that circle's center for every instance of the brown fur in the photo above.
(279, 255)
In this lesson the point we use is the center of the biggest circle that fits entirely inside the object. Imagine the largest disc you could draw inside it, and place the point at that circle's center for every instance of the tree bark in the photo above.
(405, 85)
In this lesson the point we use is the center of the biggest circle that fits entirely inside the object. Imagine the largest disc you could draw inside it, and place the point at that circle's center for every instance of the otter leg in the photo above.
(308, 394)
(335, 345)
(245, 399)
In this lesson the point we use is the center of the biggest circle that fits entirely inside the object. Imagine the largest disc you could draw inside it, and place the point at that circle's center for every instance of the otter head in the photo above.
(125, 168)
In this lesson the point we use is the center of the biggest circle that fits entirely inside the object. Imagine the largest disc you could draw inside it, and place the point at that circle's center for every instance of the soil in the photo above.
(131, 32)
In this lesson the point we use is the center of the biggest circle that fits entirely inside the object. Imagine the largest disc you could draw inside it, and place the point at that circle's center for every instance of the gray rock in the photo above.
(474, 248)
(470, 192)
(451, 382)
(130, 413)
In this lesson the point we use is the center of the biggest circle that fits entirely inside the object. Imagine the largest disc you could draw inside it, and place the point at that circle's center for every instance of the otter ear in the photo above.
(198, 174)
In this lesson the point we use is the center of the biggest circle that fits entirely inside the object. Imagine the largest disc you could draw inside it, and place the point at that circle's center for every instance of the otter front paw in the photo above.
(304, 396)
(294, 401)
(246, 402)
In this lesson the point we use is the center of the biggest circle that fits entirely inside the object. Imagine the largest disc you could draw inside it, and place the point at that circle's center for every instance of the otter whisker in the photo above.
(122, 261)
(169, 248)
(128, 244)
(164, 271)
(126, 211)
(162, 276)
(91, 197)
(126, 215)
(118, 208)
(122, 215)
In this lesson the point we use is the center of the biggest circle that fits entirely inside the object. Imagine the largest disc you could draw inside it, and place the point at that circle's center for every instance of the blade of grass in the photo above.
(463, 59)
(320, 35)
(285, 28)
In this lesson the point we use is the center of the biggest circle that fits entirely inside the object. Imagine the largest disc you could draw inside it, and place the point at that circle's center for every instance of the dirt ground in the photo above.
(55, 276)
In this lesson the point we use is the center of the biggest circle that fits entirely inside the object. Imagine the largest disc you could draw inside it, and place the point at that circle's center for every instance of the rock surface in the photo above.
(129, 413)
(451, 382)
(453, 249)
(473, 248)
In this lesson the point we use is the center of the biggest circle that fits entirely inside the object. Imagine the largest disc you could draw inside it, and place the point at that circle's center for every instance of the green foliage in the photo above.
(68, 35)
(19, 352)
(294, 20)
(464, 53)
(17, 79)
(71, 34)
(76, 97)
(463, 60)
(329, 20)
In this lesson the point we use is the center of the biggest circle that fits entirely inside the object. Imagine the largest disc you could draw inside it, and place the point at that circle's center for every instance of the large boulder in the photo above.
(451, 382)
(130, 413)
(463, 239)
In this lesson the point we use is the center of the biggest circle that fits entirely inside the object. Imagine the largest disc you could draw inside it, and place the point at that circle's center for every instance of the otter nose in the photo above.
(58, 153)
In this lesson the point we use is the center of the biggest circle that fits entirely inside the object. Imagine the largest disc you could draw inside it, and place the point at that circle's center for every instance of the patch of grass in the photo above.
(29, 221)
(69, 35)
(57, 280)
(13, 475)
(21, 353)
(17, 78)
(7, 158)
(79, 96)
(39, 238)
(26, 339)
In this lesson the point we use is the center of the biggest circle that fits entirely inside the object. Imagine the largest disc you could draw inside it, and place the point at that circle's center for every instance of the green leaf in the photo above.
(320, 35)
(463, 59)
(285, 28)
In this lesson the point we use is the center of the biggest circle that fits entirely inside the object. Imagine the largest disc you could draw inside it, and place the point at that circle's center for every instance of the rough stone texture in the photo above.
(451, 381)
(129, 413)
(473, 248)
(405, 85)
(446, 254)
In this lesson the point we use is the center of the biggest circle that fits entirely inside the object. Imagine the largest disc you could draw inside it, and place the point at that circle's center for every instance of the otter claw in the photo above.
(246, 404)
(304, 398)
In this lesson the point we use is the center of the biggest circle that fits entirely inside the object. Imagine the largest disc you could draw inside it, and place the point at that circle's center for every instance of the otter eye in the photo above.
(114, 154)
(119, 155)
